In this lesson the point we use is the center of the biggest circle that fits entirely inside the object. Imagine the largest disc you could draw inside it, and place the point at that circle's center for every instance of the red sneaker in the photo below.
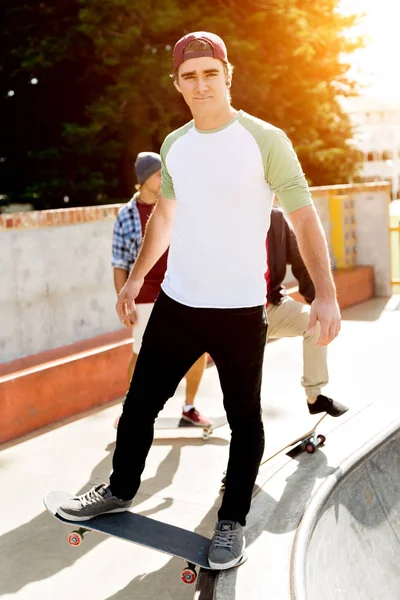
(195, 418)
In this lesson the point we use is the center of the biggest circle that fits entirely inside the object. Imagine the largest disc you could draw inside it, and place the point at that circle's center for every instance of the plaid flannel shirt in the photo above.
(127, 237)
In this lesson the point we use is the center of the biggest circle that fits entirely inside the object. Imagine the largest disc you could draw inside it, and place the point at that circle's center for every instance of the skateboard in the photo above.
(178, 423)
(144, 531)
(308, 442)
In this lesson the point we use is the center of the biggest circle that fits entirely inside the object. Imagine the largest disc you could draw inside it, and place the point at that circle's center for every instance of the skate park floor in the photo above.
(182, 477)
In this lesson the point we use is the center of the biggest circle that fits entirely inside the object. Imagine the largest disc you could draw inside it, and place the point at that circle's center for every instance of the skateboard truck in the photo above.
(207, 431)
(75, 538)
(312, 442)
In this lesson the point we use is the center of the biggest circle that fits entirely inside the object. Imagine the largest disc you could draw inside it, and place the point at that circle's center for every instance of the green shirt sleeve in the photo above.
(167, 186)
(284, 173)
(282, 168)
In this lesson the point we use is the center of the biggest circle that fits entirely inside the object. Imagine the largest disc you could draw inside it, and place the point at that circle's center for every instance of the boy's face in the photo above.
(203, 85)
(153, 183)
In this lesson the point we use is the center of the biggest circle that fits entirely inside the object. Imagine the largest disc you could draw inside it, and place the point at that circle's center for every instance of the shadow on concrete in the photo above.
(40, 545)
(165, 584)
(38, 549)
(356, 540)
(284, 515)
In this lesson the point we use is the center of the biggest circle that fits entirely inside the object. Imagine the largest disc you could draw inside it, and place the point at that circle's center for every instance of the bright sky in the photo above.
(377, 65)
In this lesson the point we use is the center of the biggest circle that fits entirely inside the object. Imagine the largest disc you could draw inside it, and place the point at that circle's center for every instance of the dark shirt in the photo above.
(282, 251)
(154, 278)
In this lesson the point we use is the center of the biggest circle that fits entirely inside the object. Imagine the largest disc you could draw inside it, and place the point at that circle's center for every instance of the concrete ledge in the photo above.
(38, 390)
(38, 396)
(34, 360)
(353, 286)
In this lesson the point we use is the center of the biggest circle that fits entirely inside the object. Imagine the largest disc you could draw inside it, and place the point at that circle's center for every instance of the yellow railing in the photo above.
(343, 231)
(395, 280)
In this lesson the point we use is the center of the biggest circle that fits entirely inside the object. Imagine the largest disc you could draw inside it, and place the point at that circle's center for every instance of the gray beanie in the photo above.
(147, 163)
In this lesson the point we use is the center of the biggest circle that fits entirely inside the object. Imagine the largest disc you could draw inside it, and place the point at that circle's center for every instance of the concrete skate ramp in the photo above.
(348, 544)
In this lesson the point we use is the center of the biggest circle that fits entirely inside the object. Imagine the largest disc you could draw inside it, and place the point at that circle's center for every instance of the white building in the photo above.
(377, 135)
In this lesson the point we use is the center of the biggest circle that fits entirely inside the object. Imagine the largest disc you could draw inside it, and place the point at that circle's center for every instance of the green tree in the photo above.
(289, 72)
(48, 158)
(105, 91)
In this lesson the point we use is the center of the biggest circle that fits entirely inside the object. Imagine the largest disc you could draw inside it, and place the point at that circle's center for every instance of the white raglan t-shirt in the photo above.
(224, 181)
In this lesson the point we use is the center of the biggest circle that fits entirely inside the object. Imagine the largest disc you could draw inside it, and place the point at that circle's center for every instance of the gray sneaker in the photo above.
(95, 502)
(227, 546)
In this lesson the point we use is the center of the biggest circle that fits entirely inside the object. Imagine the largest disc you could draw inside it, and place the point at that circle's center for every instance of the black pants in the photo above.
(175, 337)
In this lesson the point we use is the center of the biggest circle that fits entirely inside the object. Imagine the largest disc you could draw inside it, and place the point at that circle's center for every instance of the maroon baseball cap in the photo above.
(218, 48)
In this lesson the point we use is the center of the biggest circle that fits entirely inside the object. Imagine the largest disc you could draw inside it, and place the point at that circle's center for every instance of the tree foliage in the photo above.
(104, 89)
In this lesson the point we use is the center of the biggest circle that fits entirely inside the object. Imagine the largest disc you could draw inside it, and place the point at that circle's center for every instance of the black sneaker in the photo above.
(325, 404)
(227, 546)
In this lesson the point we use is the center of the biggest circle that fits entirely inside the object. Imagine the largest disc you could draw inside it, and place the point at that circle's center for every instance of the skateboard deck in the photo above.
(144, 531)
(178, 423)
(308, 440)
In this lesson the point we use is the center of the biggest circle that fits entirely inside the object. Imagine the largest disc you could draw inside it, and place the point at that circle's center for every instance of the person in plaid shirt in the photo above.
(127, 239)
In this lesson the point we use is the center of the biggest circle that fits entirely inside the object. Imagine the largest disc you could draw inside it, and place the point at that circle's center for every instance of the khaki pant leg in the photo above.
(290, 319)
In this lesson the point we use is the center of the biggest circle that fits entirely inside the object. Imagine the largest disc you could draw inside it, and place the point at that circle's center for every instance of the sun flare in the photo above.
(376, 65)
